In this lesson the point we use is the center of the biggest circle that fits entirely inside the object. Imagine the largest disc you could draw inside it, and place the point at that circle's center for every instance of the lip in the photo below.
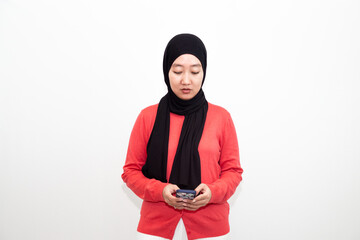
(185, 90)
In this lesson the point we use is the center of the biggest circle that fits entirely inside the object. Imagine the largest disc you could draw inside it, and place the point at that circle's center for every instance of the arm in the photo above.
(223, 188)
(146, 189)
(231, 171)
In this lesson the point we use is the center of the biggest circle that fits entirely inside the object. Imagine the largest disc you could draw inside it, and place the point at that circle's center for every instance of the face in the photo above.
(186, 75)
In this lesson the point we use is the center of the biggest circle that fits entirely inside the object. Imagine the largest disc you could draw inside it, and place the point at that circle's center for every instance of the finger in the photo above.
(196, 205)
(174, 188)
(176, 202)
(199, 188)
(179, 200)
(172, 199)
(192, 208)
(179, 205)
(200, 201)
(201, 197)
(198, 198)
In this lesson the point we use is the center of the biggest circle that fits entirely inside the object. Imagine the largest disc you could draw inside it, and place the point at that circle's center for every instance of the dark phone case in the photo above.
(186, 194)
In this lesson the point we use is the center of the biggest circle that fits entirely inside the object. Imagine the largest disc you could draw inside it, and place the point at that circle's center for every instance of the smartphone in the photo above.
(185, 194)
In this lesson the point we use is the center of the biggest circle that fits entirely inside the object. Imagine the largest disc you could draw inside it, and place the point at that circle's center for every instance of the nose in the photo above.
(186, 79)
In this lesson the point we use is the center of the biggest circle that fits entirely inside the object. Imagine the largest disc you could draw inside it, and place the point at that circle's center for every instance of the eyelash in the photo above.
(191, 72)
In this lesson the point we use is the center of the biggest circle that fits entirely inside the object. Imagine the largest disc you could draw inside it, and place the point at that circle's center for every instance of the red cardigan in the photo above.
(220, 170)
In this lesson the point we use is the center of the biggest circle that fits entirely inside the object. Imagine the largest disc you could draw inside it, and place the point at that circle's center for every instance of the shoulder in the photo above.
(220, 120)
(146, 119)
(217, 117)
(217, 111)
(149, 111)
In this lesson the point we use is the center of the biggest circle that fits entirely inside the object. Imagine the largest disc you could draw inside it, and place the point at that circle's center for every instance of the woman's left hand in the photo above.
(203, 193)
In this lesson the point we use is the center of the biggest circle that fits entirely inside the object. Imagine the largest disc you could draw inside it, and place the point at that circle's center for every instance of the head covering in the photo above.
(186, 168)
(183, 44)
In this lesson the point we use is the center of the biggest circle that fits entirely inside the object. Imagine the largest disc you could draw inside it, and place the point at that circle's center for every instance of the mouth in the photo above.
(185, 90)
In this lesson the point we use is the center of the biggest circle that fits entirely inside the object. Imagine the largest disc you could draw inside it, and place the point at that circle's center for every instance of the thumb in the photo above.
(174, 188)
(199, 188)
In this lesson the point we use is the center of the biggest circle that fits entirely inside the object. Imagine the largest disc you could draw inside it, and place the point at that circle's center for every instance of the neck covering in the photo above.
(186, 168)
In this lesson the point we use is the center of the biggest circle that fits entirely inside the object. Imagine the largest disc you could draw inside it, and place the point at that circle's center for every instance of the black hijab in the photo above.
(186, 169)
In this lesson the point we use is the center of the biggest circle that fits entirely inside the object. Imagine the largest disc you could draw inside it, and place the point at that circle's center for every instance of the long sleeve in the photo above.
(231, 171)
(146, 189)
(220, 166)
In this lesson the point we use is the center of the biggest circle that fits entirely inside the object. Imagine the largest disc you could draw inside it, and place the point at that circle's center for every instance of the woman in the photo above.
(183, 142)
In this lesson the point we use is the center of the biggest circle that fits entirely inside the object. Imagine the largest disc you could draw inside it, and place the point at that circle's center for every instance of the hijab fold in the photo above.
(186, 168)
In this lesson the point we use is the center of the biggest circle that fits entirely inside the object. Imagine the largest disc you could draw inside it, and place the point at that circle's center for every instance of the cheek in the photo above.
(173, 80)
(199, 80)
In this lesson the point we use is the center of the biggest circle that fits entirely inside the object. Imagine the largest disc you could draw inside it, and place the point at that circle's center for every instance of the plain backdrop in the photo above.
(75, 74)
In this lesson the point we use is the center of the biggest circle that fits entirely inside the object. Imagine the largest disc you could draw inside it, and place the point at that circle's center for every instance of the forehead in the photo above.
(187, 60)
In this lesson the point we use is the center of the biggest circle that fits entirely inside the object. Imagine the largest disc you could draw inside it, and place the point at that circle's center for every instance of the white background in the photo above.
(75, 74)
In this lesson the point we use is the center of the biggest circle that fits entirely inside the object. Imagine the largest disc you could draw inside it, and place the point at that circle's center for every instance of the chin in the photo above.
(186, 97)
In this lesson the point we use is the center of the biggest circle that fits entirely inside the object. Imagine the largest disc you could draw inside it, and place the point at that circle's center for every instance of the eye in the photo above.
(177, 72)
(195, 72)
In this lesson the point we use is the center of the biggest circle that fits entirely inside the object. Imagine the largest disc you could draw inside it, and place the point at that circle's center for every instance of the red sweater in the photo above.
(220, 170)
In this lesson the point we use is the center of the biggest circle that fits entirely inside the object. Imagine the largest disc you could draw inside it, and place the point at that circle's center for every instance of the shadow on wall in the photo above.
(233, 199)
(132, 196)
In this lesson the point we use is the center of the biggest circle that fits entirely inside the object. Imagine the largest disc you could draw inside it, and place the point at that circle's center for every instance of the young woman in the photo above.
(183, 142)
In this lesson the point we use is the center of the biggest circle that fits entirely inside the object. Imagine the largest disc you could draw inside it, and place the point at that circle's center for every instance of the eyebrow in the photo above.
(179, 65)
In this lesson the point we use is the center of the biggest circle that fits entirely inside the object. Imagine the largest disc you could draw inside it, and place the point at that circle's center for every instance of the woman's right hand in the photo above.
(170, 199)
